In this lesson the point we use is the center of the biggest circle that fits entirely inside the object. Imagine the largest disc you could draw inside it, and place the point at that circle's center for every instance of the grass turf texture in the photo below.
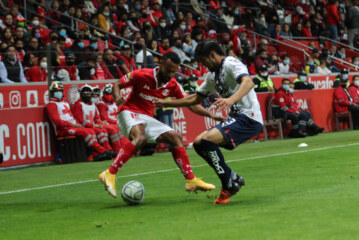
(308, 195)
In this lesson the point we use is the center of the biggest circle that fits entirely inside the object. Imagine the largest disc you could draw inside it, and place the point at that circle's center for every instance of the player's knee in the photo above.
(140, 141)
(174, 138)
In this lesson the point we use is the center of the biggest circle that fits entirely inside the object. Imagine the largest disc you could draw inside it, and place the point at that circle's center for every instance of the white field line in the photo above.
(175, 169)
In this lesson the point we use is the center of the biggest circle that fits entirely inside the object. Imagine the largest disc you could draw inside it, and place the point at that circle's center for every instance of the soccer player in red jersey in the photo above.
(137, 123)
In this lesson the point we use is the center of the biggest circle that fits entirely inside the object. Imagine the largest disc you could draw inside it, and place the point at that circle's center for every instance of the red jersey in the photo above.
(146, 90)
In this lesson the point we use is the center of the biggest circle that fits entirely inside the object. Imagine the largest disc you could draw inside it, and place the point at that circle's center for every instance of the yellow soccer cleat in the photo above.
(195, 184)
(109, 180)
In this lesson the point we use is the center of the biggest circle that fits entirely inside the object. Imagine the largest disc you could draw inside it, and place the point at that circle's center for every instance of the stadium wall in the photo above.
(26, 135)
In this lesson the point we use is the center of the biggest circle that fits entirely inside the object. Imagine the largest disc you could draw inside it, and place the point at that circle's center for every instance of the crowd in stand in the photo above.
(82, 52)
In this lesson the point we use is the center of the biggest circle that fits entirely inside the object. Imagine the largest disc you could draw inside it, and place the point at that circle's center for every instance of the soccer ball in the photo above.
(133, 192)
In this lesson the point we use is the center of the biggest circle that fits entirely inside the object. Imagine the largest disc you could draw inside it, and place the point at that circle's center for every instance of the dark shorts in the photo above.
(237, 130)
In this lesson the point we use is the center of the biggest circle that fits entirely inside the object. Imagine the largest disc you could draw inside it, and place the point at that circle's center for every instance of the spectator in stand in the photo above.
(163, 30)
(9, 22)
(340, 53)
(67, 70)
(333, 19)
(353, 20)
(330, 63)
(273, 67)
(33, 46)
(322, 68)
(262, 82)
(276, 33)
(285, 107)
(111, 69)
(332, 50)
(307, 29)
(99, 73)
(343, 102)
(317, 25)
(104, 19)
(261, 26)
(38, 73)
(133, 22)
(87, 68)
(310, 67)
(66, 125)
(19, 33)
(30, 60)
(78, 49)
(284, 65)
(316, 56)
(342, 77)
(11, 70)
(126, 57)
(261, 59)
(263, 45)
(300, 83)
(89, 50)
(154, 47)
(53, 15)
(286, 33)
(354, 89)
(155, 13)
(177, 48)
(138, 48)
(20, 53)
(355, 61)
(58, 52)
(298, 31)
(7, 36)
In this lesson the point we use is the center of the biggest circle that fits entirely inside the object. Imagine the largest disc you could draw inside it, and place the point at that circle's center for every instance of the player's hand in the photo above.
(76, 125)
(159, 102)
(223, 102)
(97, 125)
(119, 100)
(218, 118)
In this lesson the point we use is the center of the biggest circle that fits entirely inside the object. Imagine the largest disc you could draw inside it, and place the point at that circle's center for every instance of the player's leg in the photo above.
(228, 135)
(181, 158)
(134, 128)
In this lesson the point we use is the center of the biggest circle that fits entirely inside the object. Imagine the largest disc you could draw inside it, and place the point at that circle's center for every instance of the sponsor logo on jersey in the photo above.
(165, 92)
(147, 97)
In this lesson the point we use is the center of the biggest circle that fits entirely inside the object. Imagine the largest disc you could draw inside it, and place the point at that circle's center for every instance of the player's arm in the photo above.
(187, 101)
(200, 110)
(244, 88)
(125, 81)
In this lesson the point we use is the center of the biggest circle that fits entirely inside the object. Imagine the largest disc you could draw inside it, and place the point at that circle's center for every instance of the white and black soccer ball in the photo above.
(133, 192)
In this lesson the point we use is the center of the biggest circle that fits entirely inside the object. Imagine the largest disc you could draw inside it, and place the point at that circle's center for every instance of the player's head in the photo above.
(169, 65)
(85, 93)
(210, 53)
(95, 94)
(107, 92)
(56, 89)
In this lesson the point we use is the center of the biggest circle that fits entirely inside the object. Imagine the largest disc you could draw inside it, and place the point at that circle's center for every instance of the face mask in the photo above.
(343, 55)
(193, 83)
(286, 61)
(183, 27)
(106, 14)
(236, 12)
(291, 90)
(43, 65)
(137, 7)
(286, 87)
(310, 63)
(163, 25)
(81, 44)
(263, 19)
(264, 74)
(179, 45)
(345, 76)
(356, 63)
(195, 66)
(302, 1)
(94, 100)
(108, 97)
(63, 33)
(37, 35)
(341, 5)
(356, 83)
(86, 99)
(35, 22)
(58, 95)
(94, 45)
(303, 78)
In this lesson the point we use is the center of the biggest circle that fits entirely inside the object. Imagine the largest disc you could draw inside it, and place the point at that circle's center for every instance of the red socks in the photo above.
(126, 152)
(181, 158)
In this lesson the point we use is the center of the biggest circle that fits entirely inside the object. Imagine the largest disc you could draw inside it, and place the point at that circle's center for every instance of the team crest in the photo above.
(165, 92)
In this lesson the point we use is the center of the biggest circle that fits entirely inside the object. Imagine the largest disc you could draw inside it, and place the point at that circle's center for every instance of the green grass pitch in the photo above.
(290, 193)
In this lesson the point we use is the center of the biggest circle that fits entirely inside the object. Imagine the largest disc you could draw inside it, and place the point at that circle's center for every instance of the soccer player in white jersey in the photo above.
(229, 77)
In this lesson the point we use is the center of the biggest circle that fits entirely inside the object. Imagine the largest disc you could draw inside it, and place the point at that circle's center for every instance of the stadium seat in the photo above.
(272, 122)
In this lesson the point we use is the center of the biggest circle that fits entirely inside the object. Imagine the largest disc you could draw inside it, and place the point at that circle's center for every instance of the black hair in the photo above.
(172, 56)
(286, 79)
(204, 48)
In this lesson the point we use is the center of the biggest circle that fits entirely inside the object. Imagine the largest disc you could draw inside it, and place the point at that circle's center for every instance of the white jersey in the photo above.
(88, 112)
(112, 111)
(225, 82)
(63, 108)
